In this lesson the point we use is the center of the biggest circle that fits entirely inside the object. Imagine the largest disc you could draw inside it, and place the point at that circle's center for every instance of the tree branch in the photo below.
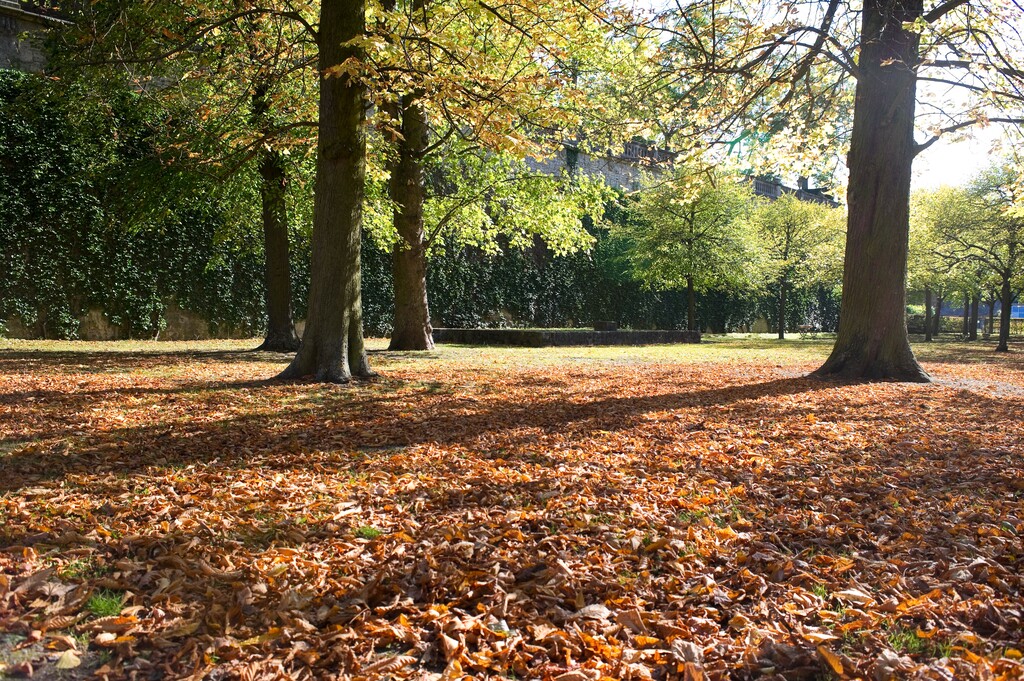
(960, 126)
(943, 9)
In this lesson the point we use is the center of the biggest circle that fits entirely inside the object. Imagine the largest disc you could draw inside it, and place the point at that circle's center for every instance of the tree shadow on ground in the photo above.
(819, 511)
(20, 361)
(790, 500)
(978, 352)
(442, 421)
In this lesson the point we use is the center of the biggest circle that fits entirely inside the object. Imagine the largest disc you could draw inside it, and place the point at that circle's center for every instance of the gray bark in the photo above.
(332, 346)
(872, 342)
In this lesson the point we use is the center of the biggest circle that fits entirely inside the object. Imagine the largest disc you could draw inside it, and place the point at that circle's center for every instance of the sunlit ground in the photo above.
(560, 513)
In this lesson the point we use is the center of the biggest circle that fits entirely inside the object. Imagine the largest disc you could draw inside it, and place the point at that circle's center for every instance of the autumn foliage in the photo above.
(668, 513)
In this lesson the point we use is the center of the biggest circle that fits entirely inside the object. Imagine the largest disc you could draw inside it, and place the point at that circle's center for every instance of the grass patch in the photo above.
(905, 640)
(105, 603)
(81, 568)
(690, 517)
(368, 532)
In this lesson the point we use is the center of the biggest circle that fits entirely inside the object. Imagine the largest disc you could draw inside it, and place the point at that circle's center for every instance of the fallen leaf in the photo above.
(68, 660)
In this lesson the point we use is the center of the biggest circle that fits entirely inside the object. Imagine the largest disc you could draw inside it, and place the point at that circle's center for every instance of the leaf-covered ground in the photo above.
(569, 514)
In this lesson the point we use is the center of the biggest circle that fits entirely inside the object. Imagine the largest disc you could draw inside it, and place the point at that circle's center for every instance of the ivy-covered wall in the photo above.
(98, 238)
(79, 233)
(532, 288)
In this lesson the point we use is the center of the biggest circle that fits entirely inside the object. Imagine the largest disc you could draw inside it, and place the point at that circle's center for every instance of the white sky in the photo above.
(951, 163)
(957, 158)
(955, 163)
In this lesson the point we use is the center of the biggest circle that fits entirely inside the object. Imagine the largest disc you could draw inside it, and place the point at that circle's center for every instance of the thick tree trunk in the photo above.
(1006, 303)
(409, 257)
(782, 308)
(872, 342)
(928, 314)
(332, 346)
(277, 268)
(972, 333)
(937, 317)
(691, 306)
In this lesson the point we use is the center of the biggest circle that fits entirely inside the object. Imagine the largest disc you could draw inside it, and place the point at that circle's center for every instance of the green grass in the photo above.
(714, 349)
(81, 568)
(690, 517)
(105, 603)
(367, 532)
(904, 640)
(133, 346)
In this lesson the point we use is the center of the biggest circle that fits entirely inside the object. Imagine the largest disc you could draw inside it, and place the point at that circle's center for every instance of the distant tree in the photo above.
(790, 233)
(772, 68)
(983, 224)
(927, 270)
(238, 75)
(477, 198)
(458, 78)
(684, 231)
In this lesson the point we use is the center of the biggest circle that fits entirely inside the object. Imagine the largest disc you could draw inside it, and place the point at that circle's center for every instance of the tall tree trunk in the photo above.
(332, 346)
(277, 267)
(872, 342)
(409, 257)
(928, 314)
(782, 308)
(966, 328)
(972, 333)
(937, 318)
(1006, 303)
(691, 306)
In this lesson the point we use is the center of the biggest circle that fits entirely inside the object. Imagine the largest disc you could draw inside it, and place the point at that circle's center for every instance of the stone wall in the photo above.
(542, 338)
(181, 325)
(619, 172)
(21, 38)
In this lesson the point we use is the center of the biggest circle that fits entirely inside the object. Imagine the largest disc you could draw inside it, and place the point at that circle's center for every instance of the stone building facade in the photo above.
(620, 171)
(770, 188)
(21, 31)
(625, 171)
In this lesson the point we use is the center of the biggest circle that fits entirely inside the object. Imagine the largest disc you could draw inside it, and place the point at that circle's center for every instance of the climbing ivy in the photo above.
(89, 219)
(91, 216)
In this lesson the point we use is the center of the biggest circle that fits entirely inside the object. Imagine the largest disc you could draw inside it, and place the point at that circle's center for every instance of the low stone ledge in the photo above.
(540, 338)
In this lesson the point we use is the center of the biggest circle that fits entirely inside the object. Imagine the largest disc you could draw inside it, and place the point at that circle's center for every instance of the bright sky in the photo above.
(954, 163)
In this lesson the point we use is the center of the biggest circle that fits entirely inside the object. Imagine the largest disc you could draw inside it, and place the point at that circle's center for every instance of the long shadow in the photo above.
(20, 361)
(784, 547)
(824, 506)
(85, 396)
(972, 353)
(131, 449)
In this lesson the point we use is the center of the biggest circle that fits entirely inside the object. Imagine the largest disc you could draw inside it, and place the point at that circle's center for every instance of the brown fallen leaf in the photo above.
(509, 496)
(855, 596)
(596, 611)
(579, 675)
(105, 639)
(831, 659)
(69, 659)
(387, 665)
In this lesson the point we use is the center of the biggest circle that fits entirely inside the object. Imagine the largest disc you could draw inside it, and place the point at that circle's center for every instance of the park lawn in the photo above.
(562, 513)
